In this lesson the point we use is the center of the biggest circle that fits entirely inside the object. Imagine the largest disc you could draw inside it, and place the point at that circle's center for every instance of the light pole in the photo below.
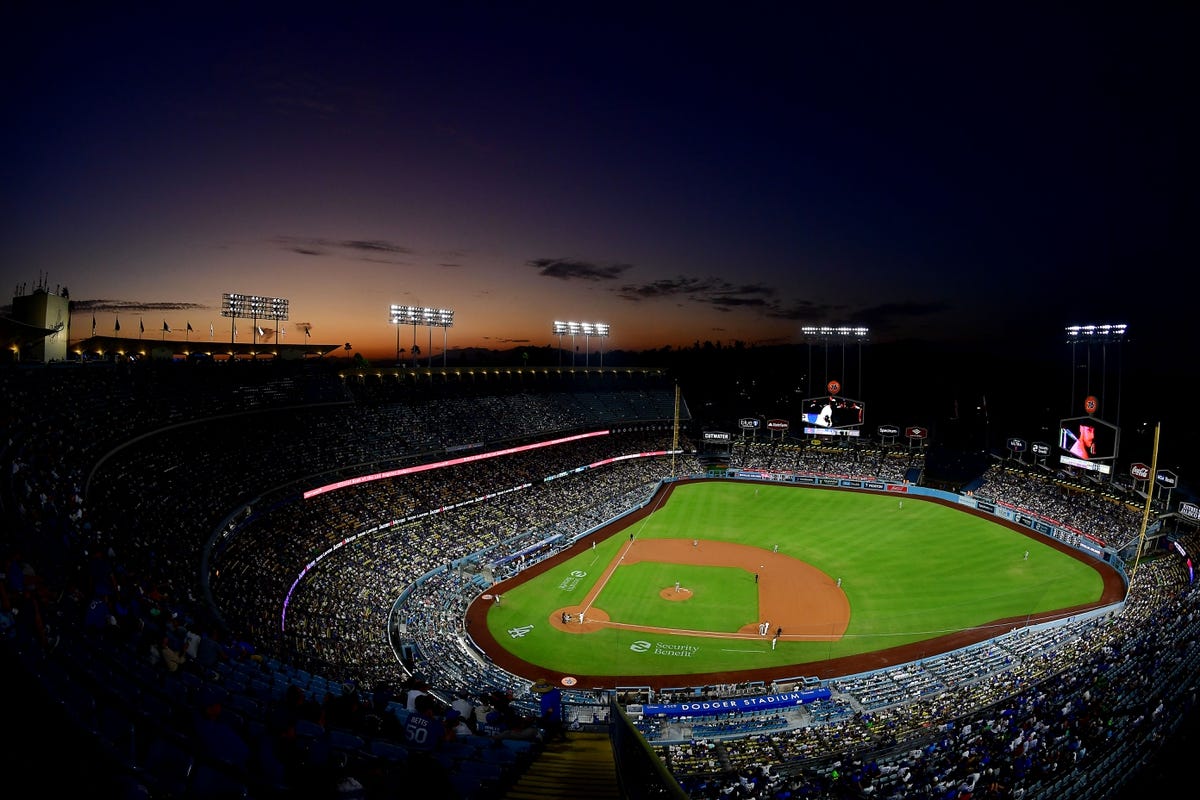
(418, 315)
(599, 330)
(558, 329)
(571, 328)
(827, 333)
(588, 329)
(1103, 335)
(253, 307)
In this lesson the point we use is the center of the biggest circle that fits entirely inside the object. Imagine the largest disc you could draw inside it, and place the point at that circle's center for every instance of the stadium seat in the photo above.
(212, 783)
(344, 740)
(166, 768)
(388, 751)
(308, 729)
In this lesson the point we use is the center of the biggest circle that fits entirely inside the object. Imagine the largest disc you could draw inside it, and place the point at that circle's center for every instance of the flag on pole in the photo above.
(189, 327)
(141, 326)
(210, 331)
(261, 332)
(93, 324)
(117, 328)
(166, 327)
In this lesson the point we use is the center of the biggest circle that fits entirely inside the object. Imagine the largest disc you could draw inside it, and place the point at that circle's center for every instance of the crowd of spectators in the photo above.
(159, 513)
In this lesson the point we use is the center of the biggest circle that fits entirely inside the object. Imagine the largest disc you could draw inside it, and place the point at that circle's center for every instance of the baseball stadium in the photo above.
(231, 579)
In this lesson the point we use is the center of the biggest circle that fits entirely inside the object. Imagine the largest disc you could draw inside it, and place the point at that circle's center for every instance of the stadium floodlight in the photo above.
(422, 315)
(253, 307)
(590, 329)
(1102, 335)
(571, 328)
(558, 329)
(828, 333)
(1106, 333)
(836, 334)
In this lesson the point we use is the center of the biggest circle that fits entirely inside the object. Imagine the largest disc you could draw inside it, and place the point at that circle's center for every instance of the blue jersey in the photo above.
(422, 732)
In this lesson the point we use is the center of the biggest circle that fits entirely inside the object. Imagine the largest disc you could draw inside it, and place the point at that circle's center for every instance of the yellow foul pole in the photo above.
(1149, 497)
(675, 431)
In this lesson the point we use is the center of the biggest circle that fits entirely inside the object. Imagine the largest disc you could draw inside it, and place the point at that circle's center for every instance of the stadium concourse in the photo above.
(156, 533)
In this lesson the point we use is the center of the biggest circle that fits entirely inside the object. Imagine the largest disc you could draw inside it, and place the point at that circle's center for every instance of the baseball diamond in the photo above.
(715, 568)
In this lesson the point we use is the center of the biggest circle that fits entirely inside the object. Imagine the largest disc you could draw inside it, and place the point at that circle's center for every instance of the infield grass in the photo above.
(910, 573)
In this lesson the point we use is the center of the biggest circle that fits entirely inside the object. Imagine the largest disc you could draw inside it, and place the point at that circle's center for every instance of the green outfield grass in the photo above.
(910, 574)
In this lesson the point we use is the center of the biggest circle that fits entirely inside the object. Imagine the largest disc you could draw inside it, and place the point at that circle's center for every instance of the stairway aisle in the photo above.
(581, 768)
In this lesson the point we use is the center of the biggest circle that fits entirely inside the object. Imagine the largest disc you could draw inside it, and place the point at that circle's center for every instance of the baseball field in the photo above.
(722, 581)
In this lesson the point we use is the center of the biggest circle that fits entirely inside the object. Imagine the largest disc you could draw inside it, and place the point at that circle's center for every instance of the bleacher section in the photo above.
(154, 510)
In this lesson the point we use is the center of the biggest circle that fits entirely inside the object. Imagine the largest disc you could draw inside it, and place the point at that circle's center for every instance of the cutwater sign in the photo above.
(703, 707)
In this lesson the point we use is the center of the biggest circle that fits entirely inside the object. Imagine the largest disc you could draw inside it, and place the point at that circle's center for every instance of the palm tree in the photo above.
(346, 347)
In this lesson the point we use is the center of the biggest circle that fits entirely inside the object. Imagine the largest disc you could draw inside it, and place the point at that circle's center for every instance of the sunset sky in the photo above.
(713, 175)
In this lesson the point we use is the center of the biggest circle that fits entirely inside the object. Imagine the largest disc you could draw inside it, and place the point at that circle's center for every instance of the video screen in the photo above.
(1086, 440)
(833, 412)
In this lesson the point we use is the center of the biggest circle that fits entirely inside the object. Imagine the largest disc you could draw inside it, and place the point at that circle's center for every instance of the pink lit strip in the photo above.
(379, 476)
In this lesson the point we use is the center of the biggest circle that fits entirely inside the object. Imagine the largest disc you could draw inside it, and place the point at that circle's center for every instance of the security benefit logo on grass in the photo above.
(664, 649)
(569, 583)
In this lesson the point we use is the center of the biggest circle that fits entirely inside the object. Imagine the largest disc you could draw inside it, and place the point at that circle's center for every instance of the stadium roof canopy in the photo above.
(103, 346)
(14, 333)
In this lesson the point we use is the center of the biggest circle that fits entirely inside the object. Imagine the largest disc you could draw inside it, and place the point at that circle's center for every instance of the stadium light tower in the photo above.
(1099, 335)
(603, 329)
(572, 328)
(394, 319)
(590, 329)
(558, 329)
(440, 318)
(253, 307)
(403, 315)
(420, 315)
(827, 334)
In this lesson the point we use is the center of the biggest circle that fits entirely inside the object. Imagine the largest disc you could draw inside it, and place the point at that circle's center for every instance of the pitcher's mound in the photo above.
(671, 594)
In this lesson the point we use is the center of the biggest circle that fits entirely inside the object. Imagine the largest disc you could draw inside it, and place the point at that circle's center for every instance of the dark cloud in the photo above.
(730, 301)
(720, 294)
(568, 270)
(880, 318)
(359, 248)
(293, 103)
(893, 316)
(665, 287)
(374, 245)
(132, 307)
(805, 311)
